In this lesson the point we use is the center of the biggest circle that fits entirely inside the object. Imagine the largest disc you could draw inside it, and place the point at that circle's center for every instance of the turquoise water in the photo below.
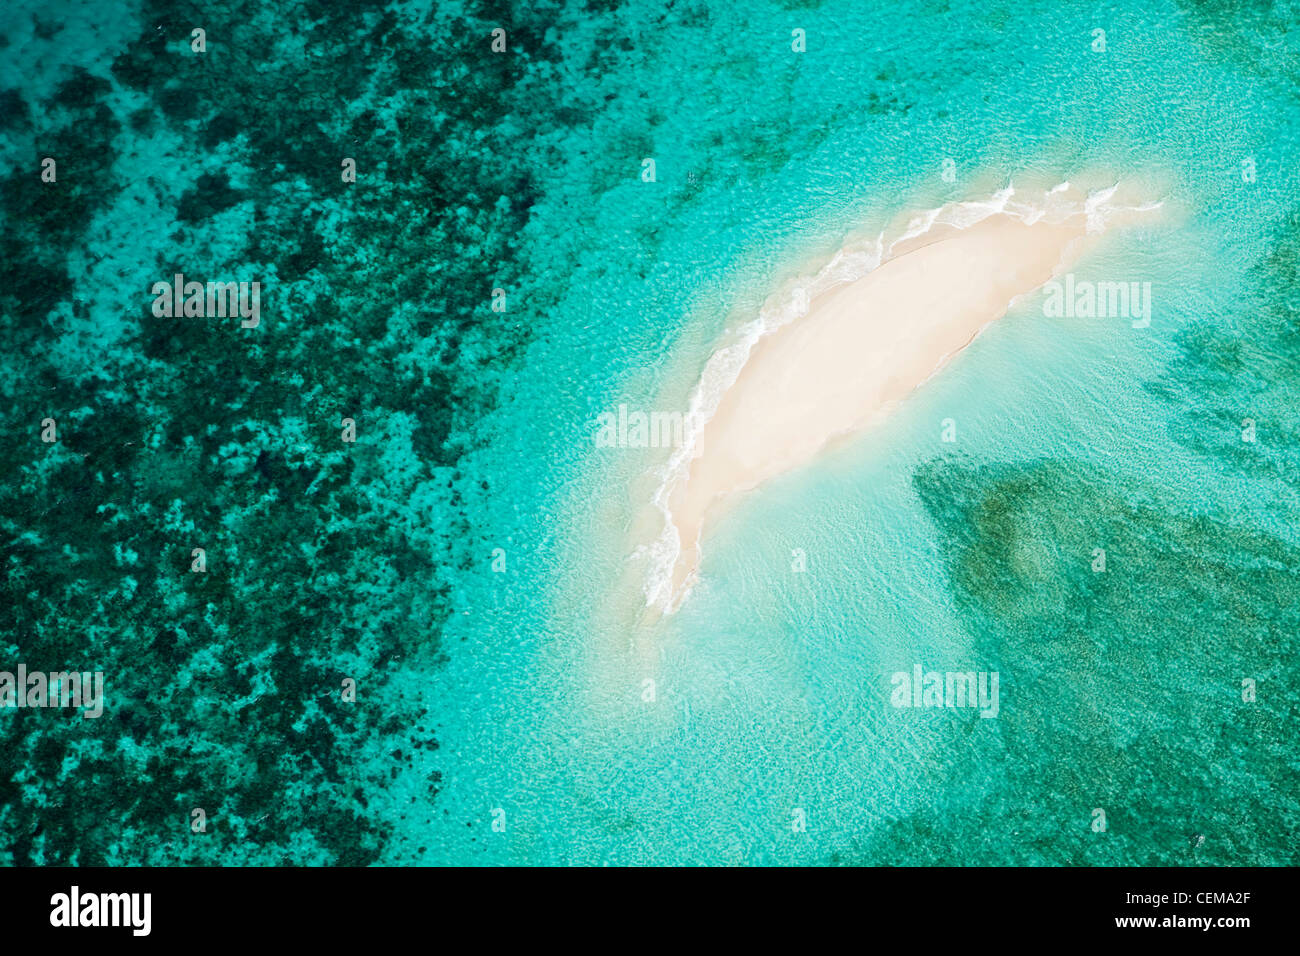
(507, 686)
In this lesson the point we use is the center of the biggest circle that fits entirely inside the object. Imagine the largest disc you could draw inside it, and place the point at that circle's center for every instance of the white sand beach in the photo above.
(863, 346)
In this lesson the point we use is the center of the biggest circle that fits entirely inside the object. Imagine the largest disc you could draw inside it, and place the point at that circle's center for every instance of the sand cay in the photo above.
(863, 346)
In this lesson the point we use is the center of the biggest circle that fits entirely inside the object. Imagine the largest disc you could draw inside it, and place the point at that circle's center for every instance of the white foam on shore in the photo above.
(849, 264)
(720, 372)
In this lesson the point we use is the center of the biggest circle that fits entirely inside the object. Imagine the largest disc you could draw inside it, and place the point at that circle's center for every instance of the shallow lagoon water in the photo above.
(518, 695)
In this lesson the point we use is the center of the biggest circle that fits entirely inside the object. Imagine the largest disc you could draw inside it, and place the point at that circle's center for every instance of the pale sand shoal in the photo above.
(859, 350)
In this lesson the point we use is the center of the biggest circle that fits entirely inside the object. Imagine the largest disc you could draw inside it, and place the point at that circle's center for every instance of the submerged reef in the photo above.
(325, 559)
(1187, 771)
